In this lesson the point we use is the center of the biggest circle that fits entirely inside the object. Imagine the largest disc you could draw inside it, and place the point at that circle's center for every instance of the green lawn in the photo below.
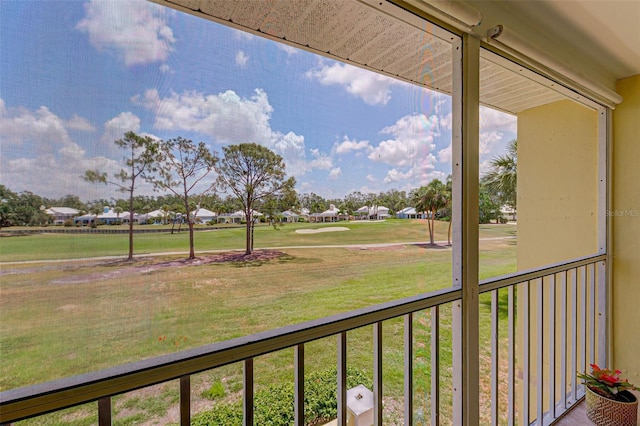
(61, 319)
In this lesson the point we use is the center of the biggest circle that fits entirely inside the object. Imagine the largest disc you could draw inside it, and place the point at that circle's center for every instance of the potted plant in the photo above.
(609, 401)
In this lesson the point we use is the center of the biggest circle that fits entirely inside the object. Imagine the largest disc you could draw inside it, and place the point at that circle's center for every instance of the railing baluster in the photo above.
(603, 332)
(185, 400)
(298, 379)
(563, 341)
(494, 357)
(511, 409)
(104, 411)
(552, 347)
(583, 322)
(247, 400)
(526, 349)
(592, 313)
(574, 334)
(408, 369)
(540, 354)
(377, 374)
(342, 379)
(435, 366)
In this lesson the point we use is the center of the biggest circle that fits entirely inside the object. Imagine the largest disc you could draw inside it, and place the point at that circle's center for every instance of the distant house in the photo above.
(156, 217)
(237, 217)
(84, 220)
(58, 215)
(304, 214)
(508, 211)
(372, 213)
(331, 215)
(409, 213)
(110, 217)
(203, 215)
(290, 216)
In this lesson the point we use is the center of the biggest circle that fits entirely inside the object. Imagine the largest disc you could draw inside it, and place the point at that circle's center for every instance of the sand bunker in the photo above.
(317, 231)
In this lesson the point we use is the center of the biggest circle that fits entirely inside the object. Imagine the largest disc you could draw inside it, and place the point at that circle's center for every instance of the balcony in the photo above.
(545, 323)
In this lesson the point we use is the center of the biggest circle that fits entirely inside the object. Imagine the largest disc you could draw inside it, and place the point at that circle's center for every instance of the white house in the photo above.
(372, 212)
(290, 216)
(57, 215)
(203, 215)
(409, 213)
(84, 220)
(110, 217)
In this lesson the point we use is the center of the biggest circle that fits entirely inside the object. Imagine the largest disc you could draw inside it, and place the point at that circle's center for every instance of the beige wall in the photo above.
(557, 208)
(557, 184)
(626, 230)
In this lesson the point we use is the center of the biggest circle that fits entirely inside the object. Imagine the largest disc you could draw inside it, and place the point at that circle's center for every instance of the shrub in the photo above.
(274, 406)
(68, 223)
(215, 391)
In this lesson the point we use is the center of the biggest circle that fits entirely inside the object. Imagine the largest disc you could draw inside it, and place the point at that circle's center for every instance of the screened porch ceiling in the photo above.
(375, 35)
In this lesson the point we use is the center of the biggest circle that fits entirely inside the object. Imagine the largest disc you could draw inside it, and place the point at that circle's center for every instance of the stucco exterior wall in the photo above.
(625, 226)
(557, 184)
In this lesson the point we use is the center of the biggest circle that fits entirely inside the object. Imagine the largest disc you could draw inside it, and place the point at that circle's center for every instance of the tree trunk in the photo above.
(449, 231)
(131, 224)
(432, 227)
(248, 236)
(192, 252)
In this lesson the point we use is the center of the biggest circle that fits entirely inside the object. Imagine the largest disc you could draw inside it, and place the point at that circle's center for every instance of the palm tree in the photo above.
(502, 178)
(117, 211)
(431, 198)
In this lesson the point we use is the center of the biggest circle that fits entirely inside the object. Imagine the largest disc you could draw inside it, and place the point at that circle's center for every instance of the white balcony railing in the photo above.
(560, 336)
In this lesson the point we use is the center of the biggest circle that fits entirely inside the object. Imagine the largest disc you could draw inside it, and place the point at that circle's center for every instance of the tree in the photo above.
(502, 178)
(431, 198)
(182, 166)
(252, 173)
(139, 163)
(70, 200)
(28, 209)
(8, 202)
(488, 207)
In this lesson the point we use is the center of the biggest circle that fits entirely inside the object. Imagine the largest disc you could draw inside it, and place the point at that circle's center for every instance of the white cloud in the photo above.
(444, 155)
(445, 122)
(413, 140)
(115, 129)
(44, 159)
(494, 120)
(372, 178)
(41, 128)
(79, 123)
(166, 69)
(417, 176)
(241, 59)
(228, 118)
(320, 160)
(495, 126)
(136, 32)
(372, 88)
(289, 50)
(54, 176)
(335, 173)
(349, 145)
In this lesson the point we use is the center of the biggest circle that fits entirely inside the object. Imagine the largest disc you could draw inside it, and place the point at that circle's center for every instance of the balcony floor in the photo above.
(578, 416)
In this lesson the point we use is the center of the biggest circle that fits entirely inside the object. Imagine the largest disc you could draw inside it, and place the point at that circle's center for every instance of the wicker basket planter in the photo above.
(607, 412)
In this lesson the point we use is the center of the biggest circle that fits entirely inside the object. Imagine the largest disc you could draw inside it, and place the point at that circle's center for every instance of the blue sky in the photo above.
(75, 76)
